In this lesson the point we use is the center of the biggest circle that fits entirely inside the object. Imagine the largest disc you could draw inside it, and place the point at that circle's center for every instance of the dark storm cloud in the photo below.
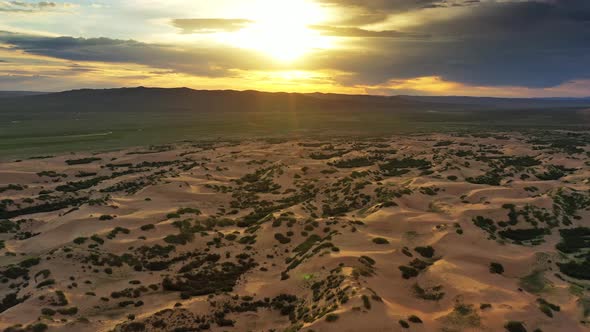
(209, 25)
(534, 44)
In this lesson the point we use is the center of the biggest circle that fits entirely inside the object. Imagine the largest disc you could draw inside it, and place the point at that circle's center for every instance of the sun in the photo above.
(280, 29)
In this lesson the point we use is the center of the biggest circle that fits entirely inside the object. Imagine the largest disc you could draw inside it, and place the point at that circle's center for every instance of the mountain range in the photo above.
(185, 99)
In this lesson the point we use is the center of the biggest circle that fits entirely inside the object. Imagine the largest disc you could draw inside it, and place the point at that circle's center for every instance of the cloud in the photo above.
(530, 44)
(357, 17)
(209, 61)
(399, 6)
(40, 4)
(358, 32)
(30, 7)
(210, 25)
(437, 86)
(358, 13)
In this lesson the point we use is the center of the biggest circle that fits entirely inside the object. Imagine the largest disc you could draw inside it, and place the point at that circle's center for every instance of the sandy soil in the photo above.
(296, 235)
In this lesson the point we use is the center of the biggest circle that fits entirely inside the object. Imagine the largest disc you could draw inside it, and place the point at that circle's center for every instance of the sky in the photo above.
(504, 48)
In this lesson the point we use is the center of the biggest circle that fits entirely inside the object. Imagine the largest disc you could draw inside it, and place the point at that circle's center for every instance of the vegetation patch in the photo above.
(82, 161)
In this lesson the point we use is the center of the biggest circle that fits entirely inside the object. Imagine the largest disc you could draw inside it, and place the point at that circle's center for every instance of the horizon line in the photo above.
(296, 93)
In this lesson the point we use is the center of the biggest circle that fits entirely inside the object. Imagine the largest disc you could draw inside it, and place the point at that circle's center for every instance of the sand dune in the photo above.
(363, 235)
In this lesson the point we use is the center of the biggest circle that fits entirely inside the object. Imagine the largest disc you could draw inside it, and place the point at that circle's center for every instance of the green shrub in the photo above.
(282, 239)
(147, 227)
(514, 326)
(307, 244)
(10, 300)
(366, 302)
(353, 163)
(575, 269)
(490, 178)
(48, 312)
(82, 161)
(380, 240)
(46, 282)
(30, 262)
(496, 268)
(38, 327)
(331, 317)
(408, 272)
(431, 294)
(80, 240)
(427, 252)
(485, 223)
(134, 327)
(68, 311)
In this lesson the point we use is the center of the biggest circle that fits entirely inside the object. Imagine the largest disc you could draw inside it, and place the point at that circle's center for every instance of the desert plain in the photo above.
(425, 232)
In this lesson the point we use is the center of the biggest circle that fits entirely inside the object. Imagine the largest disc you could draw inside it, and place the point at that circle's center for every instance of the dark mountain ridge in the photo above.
(10, 94)
(503, 102)
(184, 99)
(142, 99)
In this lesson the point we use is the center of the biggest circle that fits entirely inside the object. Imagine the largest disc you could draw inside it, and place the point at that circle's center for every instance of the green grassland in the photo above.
(38, 128)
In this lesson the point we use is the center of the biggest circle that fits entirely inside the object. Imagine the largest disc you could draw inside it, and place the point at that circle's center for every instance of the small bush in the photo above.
(282, 239)
(48, 312)
(366, 302)
(427, 252)
(80, 240)
(380, 240)
(331, 318)
(39, 327)
(514, 326)
(46, 283)
(147, 227)
(68, 312)
(134, 327)
(81, 161)
(408, 272)
(496, 268)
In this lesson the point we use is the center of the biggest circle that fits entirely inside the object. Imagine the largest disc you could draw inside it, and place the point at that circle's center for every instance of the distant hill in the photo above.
(8, 94)
(502, 102)
(184, 99)
(143, 99)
